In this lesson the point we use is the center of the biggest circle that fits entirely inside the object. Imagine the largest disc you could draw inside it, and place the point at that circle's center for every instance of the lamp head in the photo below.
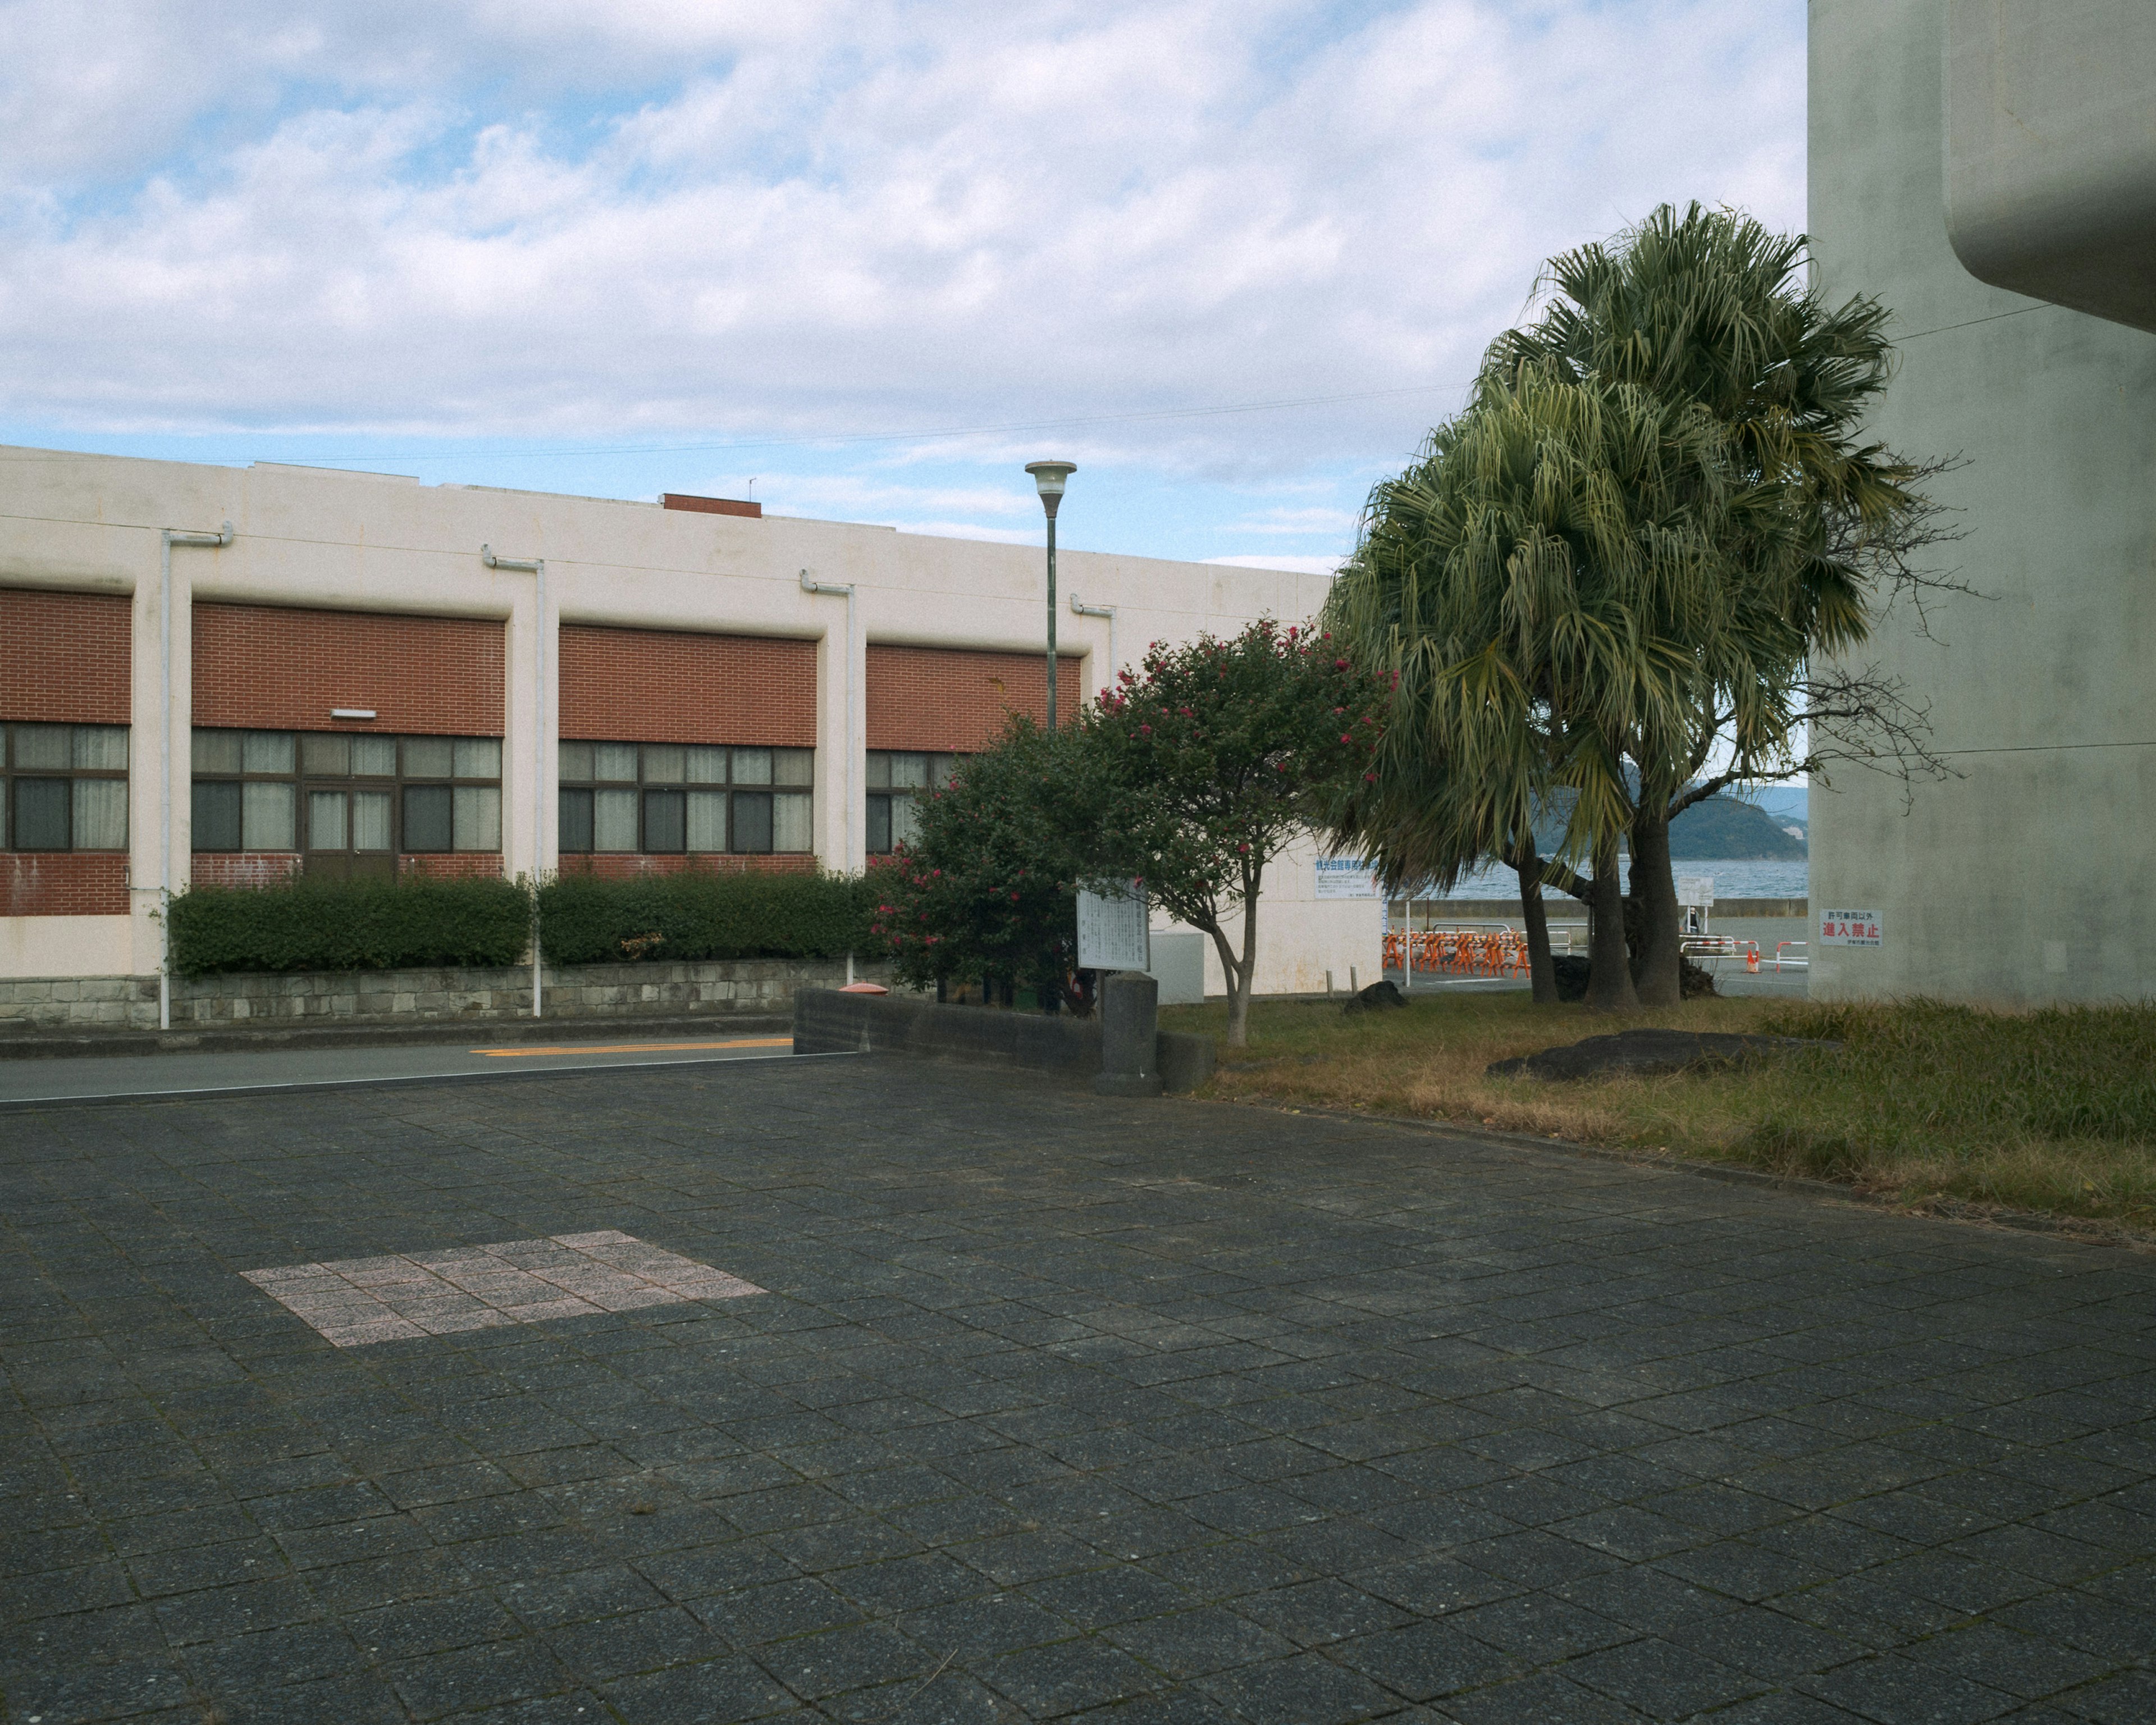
(1050, 477)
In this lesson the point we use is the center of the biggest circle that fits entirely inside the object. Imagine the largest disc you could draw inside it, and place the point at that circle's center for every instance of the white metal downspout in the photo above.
(534, 567)
(171, 537)
(847, 750)
(1108, 683)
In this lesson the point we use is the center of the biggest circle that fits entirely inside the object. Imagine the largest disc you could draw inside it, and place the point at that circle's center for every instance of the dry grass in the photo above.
(2052, 1112)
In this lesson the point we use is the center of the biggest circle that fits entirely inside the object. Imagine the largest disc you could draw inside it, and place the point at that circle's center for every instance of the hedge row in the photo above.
(414, 922)
(698, 915)
(349, 924)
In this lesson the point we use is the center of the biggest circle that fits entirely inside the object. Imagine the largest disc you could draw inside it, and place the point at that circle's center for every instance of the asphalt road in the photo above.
(25, 1082)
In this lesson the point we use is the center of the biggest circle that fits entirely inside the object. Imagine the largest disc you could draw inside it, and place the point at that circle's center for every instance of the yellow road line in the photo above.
(519, 1054)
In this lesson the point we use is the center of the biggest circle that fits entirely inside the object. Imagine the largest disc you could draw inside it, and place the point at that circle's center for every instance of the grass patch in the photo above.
(2052, 1110)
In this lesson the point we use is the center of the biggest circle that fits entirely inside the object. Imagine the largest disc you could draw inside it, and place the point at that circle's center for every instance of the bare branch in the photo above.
(1896, 561)
(1864, 719)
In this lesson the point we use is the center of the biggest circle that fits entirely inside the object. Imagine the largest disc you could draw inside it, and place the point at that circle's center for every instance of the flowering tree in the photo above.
(986, 888)
(1211, 758)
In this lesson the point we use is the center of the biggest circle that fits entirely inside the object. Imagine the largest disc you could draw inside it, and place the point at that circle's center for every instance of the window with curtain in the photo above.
(659, 798)
(897, 779)
(349, 803)
(63, 787)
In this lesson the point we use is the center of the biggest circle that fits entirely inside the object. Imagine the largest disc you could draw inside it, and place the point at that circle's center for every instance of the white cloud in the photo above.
(1301, 523)
(557, 219)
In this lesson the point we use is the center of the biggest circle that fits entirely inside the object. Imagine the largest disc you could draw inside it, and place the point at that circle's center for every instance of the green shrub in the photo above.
(314, 924)
(698, 915)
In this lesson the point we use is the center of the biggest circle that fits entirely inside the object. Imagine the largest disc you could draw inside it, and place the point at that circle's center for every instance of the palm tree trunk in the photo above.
(1655, 889)
(1542, 969)
(1609, 986)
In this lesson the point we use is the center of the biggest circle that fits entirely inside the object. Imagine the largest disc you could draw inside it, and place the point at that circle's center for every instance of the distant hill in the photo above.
(1721, 827)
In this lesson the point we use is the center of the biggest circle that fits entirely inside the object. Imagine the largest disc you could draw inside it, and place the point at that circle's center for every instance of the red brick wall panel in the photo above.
(959, 700)
(666, 685)
(454, 865)
(62, 883)
(626, 866)
(63, 657)
(272, 868)
(274, 669)
(243, 868)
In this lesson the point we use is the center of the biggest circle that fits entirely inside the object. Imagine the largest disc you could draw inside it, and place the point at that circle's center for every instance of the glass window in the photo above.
(374, 821)
(661, 819)
(216, 811)
(265, 821)
(280, 790)
(374, 757)
(429, 818)
(666, 821)
(63, 787)
(41, 813)
(100, 814)
(325, 813)
(328, 753)
(218, 751)
(266, 751)
(897, 779)
(575, 829)
(101, 748)
(476, 756)
(429, 756)
(708, 820)
(478, 817)
(792, 821)
(613, 820)
(43, 748)
(904, 826)
(753, 821)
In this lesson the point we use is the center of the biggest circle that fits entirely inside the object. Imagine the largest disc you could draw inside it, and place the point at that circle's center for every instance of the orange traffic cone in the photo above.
(1751, 961)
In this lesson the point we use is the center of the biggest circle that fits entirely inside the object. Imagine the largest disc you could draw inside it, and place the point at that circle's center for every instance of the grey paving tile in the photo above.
(1302, 1689)
(1210, 1414)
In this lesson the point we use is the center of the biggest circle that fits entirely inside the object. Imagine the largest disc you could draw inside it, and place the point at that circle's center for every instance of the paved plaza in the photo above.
(983, 1401)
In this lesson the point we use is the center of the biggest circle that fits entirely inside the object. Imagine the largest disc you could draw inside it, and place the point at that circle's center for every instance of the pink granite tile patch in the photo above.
(356, 1300)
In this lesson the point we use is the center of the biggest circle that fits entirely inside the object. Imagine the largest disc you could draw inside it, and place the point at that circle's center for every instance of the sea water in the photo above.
(1731, 878)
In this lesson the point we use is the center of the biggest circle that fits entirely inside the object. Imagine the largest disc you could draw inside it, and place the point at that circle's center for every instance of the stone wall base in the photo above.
(742, 985)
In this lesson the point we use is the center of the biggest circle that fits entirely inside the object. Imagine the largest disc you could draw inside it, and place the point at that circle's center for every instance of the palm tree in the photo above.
(1707, 311)
(1540, 582)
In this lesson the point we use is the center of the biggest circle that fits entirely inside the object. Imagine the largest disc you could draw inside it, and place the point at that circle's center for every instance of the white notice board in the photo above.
(1112, 927)
(1697, 890)
(1849, 928)
(1346, 877)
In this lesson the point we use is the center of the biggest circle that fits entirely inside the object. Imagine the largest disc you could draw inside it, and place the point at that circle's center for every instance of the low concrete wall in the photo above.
(826, 1021)
(742, 985)
(1564, 909)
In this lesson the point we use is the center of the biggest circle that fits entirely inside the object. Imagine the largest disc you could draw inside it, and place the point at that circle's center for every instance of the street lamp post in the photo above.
(1050, 476)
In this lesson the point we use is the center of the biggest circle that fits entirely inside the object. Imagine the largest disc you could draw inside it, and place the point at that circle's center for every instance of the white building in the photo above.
(222, 675)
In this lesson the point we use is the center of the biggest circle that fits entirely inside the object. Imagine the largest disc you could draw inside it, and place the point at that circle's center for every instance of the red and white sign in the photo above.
(1849, 928)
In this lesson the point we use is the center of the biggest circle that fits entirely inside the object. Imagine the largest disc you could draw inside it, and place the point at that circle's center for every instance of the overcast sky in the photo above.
(686, 245)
